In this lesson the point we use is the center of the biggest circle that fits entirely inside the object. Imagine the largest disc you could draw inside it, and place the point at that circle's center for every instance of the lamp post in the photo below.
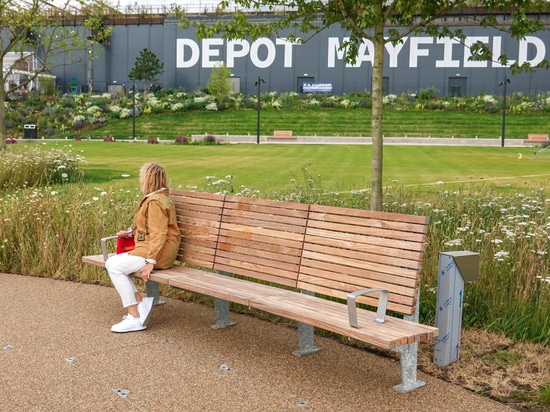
(258, 83)
(504, 82)
(134, 109)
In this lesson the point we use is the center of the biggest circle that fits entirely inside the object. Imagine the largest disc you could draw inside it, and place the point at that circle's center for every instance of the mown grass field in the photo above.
(270, 168)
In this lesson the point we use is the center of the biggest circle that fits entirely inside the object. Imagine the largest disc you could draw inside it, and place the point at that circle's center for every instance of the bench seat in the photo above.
(347, 271)
(325, 314)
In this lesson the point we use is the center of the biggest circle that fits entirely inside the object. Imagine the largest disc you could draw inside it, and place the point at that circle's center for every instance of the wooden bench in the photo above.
(536, 139)
(309, 263)
(282, 135)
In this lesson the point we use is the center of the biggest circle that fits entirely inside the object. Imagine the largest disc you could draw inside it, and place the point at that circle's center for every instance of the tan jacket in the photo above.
(157, 235)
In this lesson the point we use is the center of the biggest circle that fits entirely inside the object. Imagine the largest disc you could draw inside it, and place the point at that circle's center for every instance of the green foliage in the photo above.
(147, 67)
(218, 85)
(428, 93)
(545, 395)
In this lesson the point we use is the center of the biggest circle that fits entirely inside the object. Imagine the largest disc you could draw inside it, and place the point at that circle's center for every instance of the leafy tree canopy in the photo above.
(38, 28)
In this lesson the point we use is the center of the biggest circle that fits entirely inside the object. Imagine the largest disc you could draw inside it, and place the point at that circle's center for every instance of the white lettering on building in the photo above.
(409, 52)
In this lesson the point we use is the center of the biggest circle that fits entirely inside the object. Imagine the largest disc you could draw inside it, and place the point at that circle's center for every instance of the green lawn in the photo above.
(328, 123)
(341, 167)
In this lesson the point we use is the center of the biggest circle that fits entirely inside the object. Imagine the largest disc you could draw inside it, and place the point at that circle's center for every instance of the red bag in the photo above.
(125, 244)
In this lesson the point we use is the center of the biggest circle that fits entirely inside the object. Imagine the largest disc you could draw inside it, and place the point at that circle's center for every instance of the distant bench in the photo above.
(536, 139)
(309, 263)
(282, 135)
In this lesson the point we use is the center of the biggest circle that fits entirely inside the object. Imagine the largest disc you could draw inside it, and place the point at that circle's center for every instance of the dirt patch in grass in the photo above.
(495, 366)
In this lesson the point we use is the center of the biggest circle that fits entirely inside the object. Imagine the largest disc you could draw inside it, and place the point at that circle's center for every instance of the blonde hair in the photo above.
(152, 177)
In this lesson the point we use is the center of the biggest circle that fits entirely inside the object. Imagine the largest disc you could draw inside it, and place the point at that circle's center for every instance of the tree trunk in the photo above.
(377, 133)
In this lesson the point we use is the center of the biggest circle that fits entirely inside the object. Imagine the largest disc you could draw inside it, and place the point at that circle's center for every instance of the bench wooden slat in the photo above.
(96, 260)
(388, 236)
(355, 249)
(337, 262)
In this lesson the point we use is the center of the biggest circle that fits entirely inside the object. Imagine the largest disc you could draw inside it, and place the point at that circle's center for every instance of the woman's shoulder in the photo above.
(161, 197)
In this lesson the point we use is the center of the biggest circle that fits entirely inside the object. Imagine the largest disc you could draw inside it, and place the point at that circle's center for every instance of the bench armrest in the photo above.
(382, 305)
(104, 246)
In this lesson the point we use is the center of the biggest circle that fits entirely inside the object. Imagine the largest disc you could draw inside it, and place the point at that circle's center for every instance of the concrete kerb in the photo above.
(344, 140)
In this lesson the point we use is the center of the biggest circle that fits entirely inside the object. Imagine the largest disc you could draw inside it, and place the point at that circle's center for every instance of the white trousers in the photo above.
(120, 267)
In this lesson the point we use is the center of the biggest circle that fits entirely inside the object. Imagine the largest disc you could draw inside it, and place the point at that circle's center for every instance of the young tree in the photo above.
(375, 24)
(218, 84)
(37, 28)
(147, 67)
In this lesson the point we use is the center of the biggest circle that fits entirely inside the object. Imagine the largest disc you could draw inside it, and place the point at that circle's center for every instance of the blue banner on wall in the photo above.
(317, 87)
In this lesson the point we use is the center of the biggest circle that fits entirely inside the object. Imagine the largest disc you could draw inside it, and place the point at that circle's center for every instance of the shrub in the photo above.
(182, 140)
(428, 93)
(209, 139)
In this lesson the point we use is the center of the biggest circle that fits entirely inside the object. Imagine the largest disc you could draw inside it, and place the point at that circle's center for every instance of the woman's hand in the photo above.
(145, 273)
(126, 233)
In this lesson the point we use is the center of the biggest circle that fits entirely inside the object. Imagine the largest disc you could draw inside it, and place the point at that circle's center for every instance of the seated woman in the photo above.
(157, 240)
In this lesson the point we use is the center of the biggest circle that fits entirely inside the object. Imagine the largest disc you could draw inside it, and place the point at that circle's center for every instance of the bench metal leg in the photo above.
(305, 335)
(408, 361)
(222, 314)
(153, 290)
(222, 310)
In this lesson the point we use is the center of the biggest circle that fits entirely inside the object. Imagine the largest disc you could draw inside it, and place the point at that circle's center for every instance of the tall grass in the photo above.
(44, 231)
(38, 167)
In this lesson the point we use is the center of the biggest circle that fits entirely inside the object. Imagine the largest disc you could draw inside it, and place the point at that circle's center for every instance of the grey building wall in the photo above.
(420, 62)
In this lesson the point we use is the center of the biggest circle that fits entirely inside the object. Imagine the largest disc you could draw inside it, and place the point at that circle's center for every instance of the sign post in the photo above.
(454, 268)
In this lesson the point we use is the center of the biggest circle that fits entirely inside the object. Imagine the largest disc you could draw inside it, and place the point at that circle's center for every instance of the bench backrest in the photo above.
(262, 239)
(537, 136)
(348, 249)
(282, 133)
(327, 250)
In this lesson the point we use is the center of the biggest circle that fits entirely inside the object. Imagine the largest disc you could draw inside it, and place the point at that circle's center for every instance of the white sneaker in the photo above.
(128, 324)
(144, 308)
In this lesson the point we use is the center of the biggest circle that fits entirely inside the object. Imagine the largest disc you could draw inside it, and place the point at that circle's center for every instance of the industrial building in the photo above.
(419, 62)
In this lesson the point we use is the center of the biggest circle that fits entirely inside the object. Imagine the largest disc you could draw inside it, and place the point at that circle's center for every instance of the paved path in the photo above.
(57, 354)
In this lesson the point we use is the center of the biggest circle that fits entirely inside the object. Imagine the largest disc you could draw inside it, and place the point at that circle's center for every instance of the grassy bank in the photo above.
(334, 122)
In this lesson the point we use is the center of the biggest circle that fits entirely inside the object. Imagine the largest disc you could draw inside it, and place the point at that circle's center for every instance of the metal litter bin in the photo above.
(29, 131)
